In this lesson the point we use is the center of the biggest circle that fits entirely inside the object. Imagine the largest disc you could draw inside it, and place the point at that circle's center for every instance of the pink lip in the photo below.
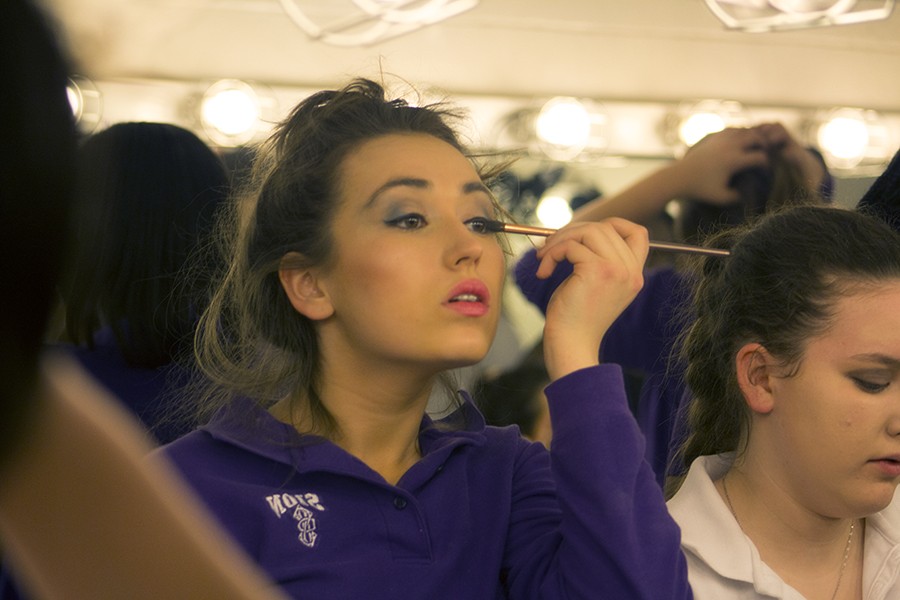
(888, 465)
(469, 308)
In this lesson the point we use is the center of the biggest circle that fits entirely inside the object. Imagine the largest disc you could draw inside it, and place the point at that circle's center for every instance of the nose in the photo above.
(893, 426)
(464, 246)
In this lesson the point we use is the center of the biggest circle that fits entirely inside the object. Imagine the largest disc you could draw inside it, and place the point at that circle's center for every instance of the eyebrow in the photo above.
(888, 361)
(470, 187)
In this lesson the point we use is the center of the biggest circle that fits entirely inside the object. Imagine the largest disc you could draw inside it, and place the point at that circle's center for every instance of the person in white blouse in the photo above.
(794, 450)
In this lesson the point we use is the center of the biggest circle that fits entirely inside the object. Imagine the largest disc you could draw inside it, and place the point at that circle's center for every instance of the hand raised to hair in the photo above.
(608, 260)
(779, 141)
(708, 166)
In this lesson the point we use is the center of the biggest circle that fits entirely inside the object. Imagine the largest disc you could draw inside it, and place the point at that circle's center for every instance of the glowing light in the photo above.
(230, 112)
(85, 101)
(73, 93)
(564, 122)
(698, 125)
(844, 138)
(553, 211)
(693, 120)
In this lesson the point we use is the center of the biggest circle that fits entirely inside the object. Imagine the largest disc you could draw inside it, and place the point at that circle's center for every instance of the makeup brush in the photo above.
(501, 227)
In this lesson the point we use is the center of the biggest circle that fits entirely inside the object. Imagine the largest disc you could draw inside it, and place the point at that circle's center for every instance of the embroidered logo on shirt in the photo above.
(301, 507)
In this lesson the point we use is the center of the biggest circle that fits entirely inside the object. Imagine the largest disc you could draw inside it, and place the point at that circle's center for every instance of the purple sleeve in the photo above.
(538, 291)
(642, 336)
(614, 537)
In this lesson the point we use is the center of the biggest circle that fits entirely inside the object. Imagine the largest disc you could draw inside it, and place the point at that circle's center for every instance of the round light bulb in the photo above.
(231, 111)
(553, 211)
(75, 101)
(845, 138)
(698, 125)
(564, 122)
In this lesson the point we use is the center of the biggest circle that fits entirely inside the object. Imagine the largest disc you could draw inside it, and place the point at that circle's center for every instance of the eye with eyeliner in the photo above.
(412, 220)
(479, 225)
(407, 221)
(870, 384)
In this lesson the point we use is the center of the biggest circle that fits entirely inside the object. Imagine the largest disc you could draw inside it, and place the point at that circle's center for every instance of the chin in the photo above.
(876, 501)
(465, 357)
(468, 361)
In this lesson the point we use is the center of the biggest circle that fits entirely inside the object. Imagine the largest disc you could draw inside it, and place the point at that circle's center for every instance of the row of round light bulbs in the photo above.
(565, 127)
(232, 112)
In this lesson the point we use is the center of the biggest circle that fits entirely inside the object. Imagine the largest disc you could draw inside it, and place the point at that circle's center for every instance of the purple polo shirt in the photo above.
(483, 514)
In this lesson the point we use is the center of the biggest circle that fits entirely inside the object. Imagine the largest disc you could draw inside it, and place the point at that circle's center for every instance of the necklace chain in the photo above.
(846, 548)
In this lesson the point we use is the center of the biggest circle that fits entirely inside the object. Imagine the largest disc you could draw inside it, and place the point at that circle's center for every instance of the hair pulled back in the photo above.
(252, 342)
(778, 288)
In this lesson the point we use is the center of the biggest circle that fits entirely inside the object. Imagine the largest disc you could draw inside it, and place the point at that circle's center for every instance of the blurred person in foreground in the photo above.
(83, 516)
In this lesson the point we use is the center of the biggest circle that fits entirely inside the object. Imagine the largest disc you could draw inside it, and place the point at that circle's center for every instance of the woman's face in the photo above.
(415, 281)
(836, 423)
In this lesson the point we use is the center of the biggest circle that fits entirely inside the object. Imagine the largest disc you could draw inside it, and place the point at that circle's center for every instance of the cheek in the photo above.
(834, 421)
(496, 263)
(377, 275)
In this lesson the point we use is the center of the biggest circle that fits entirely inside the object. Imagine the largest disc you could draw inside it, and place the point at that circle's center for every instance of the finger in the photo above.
(752, 157)
(613, 239)
(635, 237)
(776, 135)
(752, 137)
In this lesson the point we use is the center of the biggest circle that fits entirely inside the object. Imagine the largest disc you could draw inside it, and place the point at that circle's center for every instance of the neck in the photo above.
(820, 556)
(377, 417)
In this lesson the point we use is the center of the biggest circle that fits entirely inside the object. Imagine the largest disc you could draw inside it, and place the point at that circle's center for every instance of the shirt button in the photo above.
(399, 502)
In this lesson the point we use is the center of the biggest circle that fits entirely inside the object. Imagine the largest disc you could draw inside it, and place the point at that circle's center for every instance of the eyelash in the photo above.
(402, 221)
(476, 224)
(868, 386)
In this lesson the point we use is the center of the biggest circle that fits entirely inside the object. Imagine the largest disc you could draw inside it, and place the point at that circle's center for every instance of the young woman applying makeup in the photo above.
(361, 270)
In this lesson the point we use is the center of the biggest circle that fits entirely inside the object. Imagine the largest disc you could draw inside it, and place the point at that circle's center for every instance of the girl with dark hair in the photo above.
(793, 361)
(146, 197)
(360, 270)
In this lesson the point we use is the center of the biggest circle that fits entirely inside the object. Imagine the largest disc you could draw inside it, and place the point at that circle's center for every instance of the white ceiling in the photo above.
(610, 49)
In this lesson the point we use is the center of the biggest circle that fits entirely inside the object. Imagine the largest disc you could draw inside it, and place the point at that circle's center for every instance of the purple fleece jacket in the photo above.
(484, 513)
(641, 341)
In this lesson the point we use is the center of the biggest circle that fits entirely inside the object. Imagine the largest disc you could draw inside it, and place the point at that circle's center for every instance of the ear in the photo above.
(302, 287)
(755, 369)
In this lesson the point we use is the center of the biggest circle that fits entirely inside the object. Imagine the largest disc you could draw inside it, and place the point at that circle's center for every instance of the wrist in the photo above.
(564, 358)
(675, 179)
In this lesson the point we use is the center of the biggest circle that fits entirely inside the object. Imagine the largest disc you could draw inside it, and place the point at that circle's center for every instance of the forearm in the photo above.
(642, 201)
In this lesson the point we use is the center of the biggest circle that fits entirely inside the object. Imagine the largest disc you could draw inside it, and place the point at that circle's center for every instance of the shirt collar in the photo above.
(698, 508)
(247, 425)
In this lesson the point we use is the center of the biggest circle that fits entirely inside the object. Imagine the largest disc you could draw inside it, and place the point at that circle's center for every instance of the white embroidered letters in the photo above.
(302, 506)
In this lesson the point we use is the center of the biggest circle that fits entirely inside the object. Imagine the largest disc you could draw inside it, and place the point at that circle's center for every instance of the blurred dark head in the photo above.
(882, 200)
(37, 154)
(513, 397)
(146, 197)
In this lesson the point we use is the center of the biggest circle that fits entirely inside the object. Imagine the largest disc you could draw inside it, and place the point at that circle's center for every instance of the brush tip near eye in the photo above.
(494, 226)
